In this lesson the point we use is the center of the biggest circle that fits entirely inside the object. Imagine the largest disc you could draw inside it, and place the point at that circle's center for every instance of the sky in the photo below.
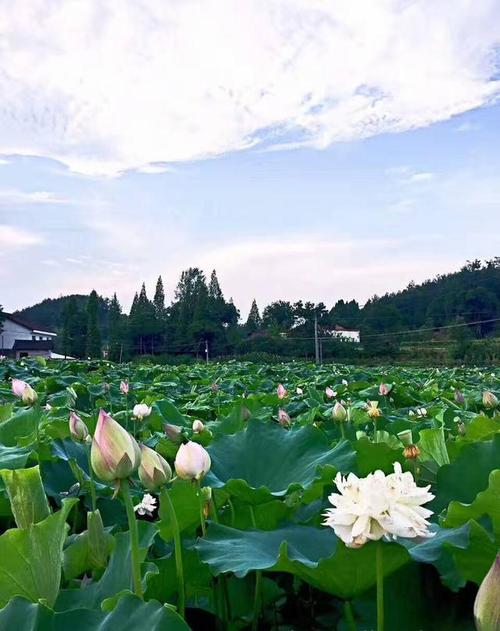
(305, 149)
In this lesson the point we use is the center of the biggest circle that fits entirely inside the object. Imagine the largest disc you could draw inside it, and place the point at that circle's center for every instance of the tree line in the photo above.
(200, 318)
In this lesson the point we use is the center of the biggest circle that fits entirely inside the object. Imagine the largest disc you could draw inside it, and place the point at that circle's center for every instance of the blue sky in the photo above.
(308, 178)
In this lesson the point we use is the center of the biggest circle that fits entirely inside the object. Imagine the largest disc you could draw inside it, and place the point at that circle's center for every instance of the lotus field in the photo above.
(245, 496)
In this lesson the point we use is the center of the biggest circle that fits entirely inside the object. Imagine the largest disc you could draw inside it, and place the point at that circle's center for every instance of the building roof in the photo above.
(28, 325)
(33, 345)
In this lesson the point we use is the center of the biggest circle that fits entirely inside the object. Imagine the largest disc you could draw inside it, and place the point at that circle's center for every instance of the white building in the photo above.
(19, 338)
(346, 335)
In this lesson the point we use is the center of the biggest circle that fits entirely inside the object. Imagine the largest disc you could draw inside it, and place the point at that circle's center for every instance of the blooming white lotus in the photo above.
(141, 410)
(146, 506)
(367, 509)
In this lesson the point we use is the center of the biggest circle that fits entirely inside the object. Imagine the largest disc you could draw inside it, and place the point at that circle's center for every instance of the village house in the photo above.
(19, 338)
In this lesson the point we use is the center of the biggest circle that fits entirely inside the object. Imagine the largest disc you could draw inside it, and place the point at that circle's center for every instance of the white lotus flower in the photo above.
(146, 506)
(141, 410)
(367, 509)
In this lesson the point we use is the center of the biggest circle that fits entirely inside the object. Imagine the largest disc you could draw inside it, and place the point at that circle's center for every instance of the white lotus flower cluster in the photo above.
(367, 509)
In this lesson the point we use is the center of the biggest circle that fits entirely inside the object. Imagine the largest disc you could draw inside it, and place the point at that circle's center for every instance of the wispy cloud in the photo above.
(13, 238)
(15, 196)
(136, 84)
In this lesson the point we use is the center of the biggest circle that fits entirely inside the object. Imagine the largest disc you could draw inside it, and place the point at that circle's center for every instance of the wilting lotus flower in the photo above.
(77, 428)
(124, 387)
(24, 391)
(283, 418)
(373, 410)
(383, 389)
(198, 427)
(281, 391)
(489, 399)
(378, 506)
(487, 603)
(154, 470)
(192, 461)
(330, 393)
(299, 391)
(141, 410)
(339, 413)
(114, 454)
(459, 397)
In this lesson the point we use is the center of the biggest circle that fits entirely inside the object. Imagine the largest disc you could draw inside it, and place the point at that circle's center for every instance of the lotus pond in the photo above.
(245, 496)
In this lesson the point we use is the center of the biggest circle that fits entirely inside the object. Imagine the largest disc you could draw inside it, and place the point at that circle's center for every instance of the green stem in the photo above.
(200, 504)
(349, 615)
(231, 508)
(178, 555)
(93, 497)
(380, 586)
(252, 516)
(256, 602)
(342, 429)
(126, 412)
(134, 538)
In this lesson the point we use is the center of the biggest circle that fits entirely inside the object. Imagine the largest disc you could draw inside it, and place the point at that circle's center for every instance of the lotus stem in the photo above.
(256, 602)
(349, 616)
(181, 604)
(342, 430)
(380, 586)
(200, 503)
(93, 497)
(134, 538)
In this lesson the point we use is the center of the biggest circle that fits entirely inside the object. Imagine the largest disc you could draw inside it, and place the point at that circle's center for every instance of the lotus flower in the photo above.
(24, 391)
(373, 410)
(141, 410)
(281, 391)
(299, 391)
(378, 506)
(146, 506)
(283, 418)
(459, 397)
(77, 428)
(330, 393)
(487, 603)
(124, 387)
(383, 389)
(489, 399)
(339, 412)
(174, 432)
(114, 454)
(154, 470)
(198, 427)
(192, 461)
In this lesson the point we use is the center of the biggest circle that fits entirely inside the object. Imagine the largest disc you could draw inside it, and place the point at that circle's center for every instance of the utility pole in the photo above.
(316, 341)
(206, 350)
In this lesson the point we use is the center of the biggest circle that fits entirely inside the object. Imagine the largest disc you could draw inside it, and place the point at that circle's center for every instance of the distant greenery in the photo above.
(451, 318)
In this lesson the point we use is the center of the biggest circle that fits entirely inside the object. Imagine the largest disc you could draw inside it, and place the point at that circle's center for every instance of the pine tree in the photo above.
(214, 290)
(254, 321)
(93, 340)
(115, 340)
(159, 300)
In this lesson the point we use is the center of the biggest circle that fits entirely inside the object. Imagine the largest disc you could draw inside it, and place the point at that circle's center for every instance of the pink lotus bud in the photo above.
(192, 461)
(459, 397)
(198, 427)
(114, 454)
(77, 428)
(124, 386)
(339, 412)
(141, 410)
(24, 391)
(154, 470)
(283, 418)
(281, 391)
(173, 432)
(330, 393)
(383, 390)
(489, 399)
(487, 603)
(299, 391)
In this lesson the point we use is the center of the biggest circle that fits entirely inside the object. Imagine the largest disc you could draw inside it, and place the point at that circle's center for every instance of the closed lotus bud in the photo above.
(77, 428)
(154, 470)
(411, 452)
(489, 399)
(383, 389)
(487, 603)
(339, 413)
(283, 418)
(124, 386)
(114, 454)
(281, 391)
(299, 391)
(24, 391)
(406, 437)
(198, 427)
(192, 461)
(174, 432)
(459, 397)
(141, 410)
(330, 393)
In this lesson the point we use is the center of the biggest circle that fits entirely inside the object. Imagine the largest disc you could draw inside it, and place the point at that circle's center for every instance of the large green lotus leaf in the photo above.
(31, 558)
(130, 614)
(22, 423)
(481, 427)
(184, 497)
(373, 456)
(349, 572)
(226, 549)
(468, 474)
(117, 577)
(26, 494)
(432, 446)
(166, 412)
(14, 457)
(266, 460)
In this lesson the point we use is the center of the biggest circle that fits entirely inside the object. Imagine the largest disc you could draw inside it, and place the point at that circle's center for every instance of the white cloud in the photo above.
(104, 87)
(424, 176)
(15, 196)
(13, 238)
